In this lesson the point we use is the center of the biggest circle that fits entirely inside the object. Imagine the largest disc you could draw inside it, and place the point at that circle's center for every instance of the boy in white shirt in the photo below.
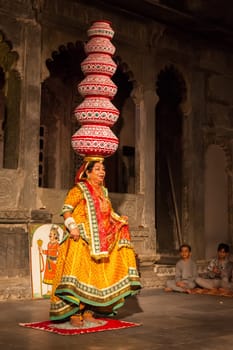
(186, 272)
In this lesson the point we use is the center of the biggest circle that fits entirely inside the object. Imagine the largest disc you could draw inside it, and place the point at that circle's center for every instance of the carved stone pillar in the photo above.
(31, 95)
(145, 159)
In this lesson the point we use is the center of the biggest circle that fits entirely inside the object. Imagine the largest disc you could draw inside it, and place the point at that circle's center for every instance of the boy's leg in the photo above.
(171, 284)
(191, 284)
(225, 284)
(208, 283)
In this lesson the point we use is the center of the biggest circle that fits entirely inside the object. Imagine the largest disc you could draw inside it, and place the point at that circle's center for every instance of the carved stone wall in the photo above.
(35, 29)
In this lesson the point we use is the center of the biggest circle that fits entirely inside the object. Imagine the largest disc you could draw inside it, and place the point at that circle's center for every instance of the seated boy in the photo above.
(219, 270)
(185, 273)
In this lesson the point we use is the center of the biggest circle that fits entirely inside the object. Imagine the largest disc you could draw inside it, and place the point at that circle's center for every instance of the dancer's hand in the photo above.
(75, 234)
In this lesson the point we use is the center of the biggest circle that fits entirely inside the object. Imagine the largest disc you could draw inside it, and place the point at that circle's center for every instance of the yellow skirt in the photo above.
(101, 285)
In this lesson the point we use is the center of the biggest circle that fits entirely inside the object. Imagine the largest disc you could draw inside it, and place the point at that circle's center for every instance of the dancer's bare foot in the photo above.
(167, 289)
(76, 320)
(89, 317)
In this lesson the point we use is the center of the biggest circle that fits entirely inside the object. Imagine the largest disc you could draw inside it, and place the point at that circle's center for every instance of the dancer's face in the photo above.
(97, 174)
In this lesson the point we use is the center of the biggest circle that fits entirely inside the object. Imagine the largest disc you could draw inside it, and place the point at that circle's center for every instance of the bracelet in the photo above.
(70, 223)
(72, 226)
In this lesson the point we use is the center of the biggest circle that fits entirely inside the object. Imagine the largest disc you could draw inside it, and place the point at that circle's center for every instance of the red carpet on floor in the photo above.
(67, 329)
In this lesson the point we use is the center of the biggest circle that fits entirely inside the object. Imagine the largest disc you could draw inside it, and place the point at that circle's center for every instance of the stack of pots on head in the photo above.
(96, 113)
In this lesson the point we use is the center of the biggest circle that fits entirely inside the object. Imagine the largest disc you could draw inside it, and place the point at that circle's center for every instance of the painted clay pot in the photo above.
(97, 110)
(96, 113)
(98, 64)
(93, 140)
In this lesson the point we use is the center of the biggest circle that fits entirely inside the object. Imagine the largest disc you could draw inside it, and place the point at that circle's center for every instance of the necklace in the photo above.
(97, 189)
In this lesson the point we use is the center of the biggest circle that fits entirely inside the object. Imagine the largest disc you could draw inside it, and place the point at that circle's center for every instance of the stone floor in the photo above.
(170, 321)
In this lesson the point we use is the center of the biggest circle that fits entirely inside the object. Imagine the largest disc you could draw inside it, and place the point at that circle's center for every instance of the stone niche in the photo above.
(14, 246)
(15, 282)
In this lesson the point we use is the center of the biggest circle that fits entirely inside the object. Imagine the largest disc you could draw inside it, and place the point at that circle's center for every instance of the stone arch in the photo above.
(171, 89)
(59, 98)
(121, 166)
(10, 87)
(58, 162)
(171, 85)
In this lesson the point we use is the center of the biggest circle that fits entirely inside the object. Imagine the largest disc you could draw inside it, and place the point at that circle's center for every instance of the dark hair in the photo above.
(185, 246)
(224, 246)
(89, 167)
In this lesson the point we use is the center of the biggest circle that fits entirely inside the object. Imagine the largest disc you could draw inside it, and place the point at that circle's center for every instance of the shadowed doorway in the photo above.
(171, 90)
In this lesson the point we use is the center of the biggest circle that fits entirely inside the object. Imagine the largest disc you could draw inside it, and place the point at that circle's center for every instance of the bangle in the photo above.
(70, 223)
(72, 226)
